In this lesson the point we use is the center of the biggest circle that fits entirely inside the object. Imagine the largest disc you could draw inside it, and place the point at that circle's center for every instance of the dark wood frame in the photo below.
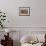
(21, 8)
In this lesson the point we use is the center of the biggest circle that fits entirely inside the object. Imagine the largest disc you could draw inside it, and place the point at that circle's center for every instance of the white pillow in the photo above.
(24, 39)
(27, 38)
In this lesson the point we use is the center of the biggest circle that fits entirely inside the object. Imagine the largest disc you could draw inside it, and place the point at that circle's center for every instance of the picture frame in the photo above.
(24, 11)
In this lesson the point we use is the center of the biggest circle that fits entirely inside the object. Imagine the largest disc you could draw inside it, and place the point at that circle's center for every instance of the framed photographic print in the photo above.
(24, 11)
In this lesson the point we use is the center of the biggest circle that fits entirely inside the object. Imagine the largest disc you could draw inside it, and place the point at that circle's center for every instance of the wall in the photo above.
(35, 22)
(37, 16)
